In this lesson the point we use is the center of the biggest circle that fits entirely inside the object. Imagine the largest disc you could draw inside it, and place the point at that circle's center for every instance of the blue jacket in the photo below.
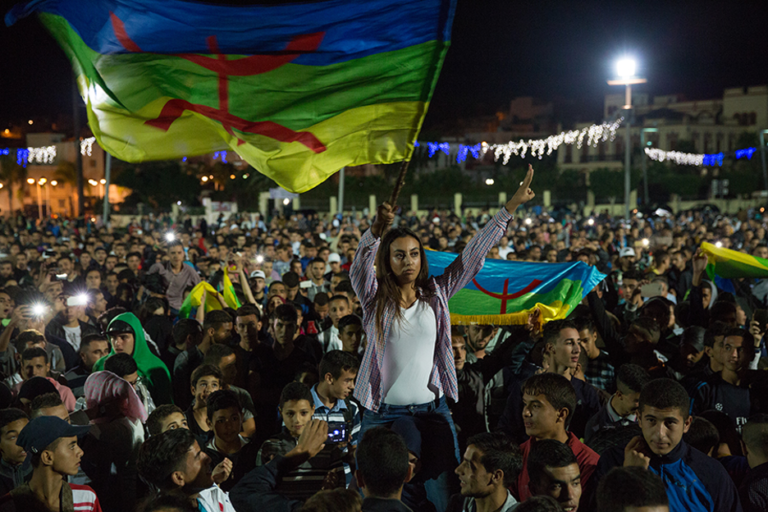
(694, 482)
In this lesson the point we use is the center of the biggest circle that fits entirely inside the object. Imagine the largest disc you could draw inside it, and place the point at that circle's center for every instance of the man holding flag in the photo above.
(176, 274)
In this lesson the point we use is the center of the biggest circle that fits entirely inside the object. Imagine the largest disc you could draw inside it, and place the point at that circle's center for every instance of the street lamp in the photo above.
(625, 71)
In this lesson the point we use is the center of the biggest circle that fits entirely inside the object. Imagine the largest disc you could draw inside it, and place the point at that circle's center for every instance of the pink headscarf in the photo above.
(103, 387)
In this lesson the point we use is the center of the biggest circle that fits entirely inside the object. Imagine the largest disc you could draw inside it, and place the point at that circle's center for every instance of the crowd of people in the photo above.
(329, 377)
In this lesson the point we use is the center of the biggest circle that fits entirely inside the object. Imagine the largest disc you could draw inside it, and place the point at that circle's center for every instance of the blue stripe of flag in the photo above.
(353, 28)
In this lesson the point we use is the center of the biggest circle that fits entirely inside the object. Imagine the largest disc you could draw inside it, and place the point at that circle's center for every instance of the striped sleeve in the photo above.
(84, 499)
(357, 422)
(362, 272)
(470, 261)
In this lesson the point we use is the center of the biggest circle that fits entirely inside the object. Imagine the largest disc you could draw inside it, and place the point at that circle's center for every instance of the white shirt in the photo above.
(73, 336)
(409, 357)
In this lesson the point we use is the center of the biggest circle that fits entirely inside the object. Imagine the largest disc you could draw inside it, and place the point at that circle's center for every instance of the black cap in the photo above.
(42, 431)
(119, 327)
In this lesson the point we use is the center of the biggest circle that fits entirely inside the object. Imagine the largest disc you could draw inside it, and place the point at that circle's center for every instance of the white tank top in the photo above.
(409, 357)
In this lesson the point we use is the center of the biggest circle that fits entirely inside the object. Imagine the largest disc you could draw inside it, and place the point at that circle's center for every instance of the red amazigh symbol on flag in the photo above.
(252, 65)
(504, 296)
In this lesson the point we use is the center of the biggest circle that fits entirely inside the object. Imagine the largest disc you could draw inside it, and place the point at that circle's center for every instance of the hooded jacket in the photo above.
(151, 369)
(694, 482)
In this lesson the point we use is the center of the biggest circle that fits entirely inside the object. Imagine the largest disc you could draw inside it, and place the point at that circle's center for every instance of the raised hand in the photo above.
(524, 193)
(385, 216)
(635, 453)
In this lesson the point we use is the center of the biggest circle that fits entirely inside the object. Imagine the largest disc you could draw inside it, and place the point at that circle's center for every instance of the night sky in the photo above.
(502, 49)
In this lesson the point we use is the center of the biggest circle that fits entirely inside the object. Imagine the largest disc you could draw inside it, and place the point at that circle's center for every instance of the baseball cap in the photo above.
(627, 251)
(41, 432)
(334, 258)
(119, 326)
(258, 273)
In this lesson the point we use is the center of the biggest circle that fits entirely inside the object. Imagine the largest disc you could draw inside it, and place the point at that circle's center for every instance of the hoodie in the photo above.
(151, 368)
(694, 482)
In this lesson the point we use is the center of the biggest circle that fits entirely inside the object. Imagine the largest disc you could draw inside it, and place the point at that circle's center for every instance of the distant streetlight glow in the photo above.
(286, 201)
(31, 181)
(625, 68)
(204, 179)
(54, 183)
(489, 181)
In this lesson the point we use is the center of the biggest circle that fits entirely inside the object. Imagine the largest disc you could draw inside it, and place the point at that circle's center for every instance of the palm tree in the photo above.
(10, 173)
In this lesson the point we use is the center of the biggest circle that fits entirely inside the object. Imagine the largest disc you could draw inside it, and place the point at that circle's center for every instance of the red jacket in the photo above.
(586, 458)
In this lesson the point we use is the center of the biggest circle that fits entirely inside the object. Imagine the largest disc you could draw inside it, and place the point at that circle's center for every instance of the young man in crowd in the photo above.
(331, 398)
(554, 471)
(124, 366)
(248, 321)
(275, 367)
(632, 489)
(735, 388)
(621, 409)
(15, 467)
(754, 488)
(561, 351)
(225, 418)
(664, 418)
(48, 404)
(548, 403)
(338, 307)
(351, 334)
(55, 456)
(92, 348)
(68, 324)
(316, 274)
(177, 275)
(599, 371)
(174, 461)
(491, 464)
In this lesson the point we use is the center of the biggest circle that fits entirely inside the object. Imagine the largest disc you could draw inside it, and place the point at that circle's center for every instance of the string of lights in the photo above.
(538, 148)
(712, 159)
(86, 146)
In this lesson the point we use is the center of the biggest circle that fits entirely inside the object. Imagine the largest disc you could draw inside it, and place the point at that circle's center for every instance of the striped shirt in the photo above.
(368, 389)
(339, 414)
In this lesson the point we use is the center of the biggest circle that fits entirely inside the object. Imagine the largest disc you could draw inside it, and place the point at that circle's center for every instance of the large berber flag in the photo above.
(298, 90)
(506, 292)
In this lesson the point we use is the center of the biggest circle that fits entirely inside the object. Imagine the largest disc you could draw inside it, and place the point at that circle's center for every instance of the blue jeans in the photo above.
(437, 462)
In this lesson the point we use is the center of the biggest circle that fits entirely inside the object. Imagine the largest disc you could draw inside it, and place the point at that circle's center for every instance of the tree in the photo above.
(159, 184)
(11, 173)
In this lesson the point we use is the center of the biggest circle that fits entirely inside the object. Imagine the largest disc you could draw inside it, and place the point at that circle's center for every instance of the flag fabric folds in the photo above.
(506, 292)
(298, 90)
(230, 297)
(728, 264)
(195, 298)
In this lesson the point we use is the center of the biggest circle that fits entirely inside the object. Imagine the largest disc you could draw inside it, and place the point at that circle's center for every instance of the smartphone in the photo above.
(305, 284)
(337, 432)
(651, 290)
(761, 317)
(61, 277)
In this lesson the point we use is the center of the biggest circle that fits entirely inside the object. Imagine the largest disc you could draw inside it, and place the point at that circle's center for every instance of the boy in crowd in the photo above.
(621, 409)
(206, 379)
(548, 402)
(491, 464)
(166, 417)
(297, 410)
(225, 418)
(554, 471)
(15, 467)
(54, 455)
(351, 334)
(664, 418)
(338, 307)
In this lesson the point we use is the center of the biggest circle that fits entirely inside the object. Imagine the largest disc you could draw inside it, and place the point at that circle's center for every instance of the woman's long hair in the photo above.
(388, 293)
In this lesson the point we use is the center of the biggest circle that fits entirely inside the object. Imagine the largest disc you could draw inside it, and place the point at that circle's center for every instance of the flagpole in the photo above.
(107, 176)
(399, 183)
(341, 192)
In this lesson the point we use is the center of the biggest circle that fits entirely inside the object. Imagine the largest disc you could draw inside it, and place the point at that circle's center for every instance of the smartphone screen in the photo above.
(337, 432)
